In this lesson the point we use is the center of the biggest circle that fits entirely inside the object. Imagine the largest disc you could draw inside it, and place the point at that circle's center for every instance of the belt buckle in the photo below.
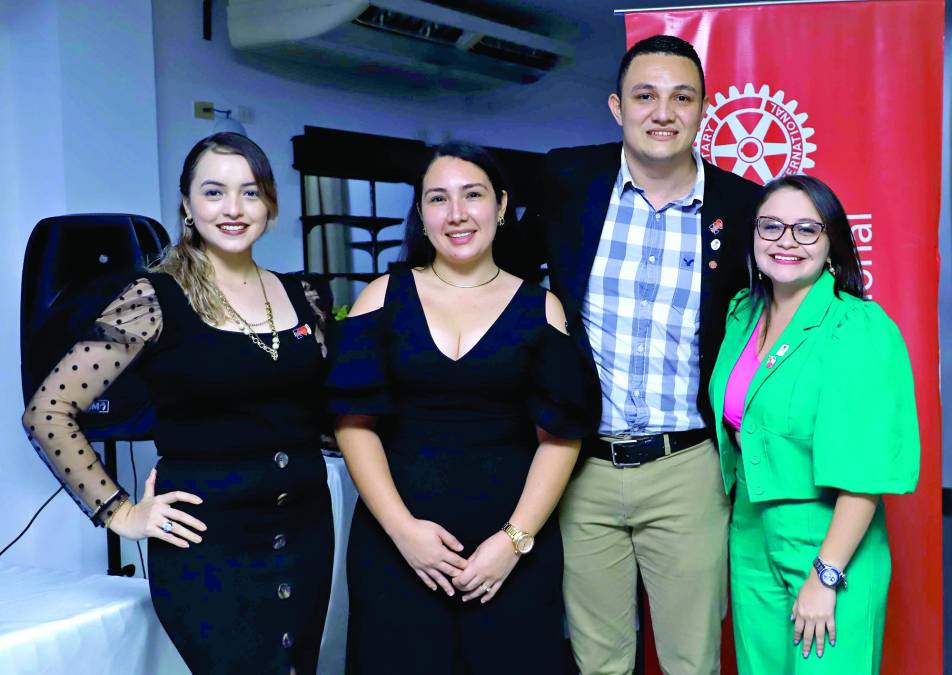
(626, 443)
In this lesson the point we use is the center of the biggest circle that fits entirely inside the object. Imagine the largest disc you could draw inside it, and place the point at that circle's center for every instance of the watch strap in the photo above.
(822, 566)
(515, 534)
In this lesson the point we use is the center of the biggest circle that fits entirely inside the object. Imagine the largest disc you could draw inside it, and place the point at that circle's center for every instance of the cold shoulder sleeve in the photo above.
(358, 383)
(866, 437)
(130, 322)
(560, 395)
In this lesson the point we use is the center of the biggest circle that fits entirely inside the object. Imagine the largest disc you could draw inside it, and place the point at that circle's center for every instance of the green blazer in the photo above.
(831, 406)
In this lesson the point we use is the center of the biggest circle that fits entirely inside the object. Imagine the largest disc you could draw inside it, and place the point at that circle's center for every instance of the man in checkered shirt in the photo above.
(644, 242)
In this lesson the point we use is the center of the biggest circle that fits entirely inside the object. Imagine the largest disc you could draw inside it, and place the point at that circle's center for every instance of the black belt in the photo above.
(638, 450)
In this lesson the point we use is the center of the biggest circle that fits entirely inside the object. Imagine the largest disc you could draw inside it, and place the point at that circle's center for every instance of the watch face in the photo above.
(829, 577)
(525, 543)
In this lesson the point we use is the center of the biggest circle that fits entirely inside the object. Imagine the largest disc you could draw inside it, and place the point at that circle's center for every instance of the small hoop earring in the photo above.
(189, 221)
(829, 266)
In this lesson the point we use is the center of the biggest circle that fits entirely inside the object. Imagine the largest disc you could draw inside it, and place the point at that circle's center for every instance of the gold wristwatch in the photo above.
(522, 542)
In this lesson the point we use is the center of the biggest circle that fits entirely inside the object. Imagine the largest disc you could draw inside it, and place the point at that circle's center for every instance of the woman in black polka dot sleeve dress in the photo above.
(237, 510)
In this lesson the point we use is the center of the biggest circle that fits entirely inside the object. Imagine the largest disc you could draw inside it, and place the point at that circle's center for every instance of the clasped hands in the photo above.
(433, 553)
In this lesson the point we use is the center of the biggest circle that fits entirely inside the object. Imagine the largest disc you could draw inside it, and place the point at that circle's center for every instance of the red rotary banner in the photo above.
(850, 92)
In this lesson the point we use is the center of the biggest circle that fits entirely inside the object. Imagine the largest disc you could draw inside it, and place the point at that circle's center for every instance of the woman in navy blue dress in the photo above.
(461, 407)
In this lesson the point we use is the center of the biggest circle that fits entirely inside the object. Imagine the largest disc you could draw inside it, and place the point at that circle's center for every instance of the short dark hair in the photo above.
(843, 254)
(417, 250)
(661, 44)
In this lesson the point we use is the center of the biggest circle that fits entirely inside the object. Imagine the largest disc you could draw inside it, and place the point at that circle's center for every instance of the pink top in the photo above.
(739, 381)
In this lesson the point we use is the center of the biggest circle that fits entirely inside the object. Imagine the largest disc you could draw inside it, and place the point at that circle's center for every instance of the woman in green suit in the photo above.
(814, 393)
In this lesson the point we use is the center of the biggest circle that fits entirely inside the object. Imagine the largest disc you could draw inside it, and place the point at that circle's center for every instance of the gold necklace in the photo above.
(246, 326)
(450, 283)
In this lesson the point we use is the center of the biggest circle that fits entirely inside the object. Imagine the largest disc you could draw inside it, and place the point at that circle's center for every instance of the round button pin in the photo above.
(715, 244)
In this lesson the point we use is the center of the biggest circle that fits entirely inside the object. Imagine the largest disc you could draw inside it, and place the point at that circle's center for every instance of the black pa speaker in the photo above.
(73, 267)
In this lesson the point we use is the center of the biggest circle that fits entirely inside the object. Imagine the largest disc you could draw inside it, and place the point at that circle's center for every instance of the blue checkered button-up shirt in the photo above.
(641, 310)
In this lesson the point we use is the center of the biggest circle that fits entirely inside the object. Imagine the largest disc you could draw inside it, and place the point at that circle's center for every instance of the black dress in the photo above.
(241, 431)
(459, 437)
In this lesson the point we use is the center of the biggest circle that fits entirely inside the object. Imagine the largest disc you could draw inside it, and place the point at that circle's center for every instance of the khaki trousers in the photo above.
(669, 519)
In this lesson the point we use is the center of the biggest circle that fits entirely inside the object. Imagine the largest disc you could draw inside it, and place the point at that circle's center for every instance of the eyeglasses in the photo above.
(804, 232)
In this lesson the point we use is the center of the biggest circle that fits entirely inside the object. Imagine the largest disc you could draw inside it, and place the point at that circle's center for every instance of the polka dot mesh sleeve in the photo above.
(120, 333)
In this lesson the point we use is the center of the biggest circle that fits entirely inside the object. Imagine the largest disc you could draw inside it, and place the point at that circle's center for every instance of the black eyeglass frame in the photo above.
(789, 226)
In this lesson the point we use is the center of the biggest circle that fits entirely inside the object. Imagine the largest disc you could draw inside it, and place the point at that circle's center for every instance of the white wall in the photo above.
(32, 180)
(78, 135)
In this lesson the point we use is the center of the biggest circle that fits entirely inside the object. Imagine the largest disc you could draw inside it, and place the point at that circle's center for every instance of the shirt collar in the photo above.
(694, 198)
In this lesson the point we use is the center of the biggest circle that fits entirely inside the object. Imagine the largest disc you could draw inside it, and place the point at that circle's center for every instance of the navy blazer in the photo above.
(563, 226)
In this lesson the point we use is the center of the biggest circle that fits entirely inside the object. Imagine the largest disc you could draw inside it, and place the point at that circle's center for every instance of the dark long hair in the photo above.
(843, 254)
(417, 250)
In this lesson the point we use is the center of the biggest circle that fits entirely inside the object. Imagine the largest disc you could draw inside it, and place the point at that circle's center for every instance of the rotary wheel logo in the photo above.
(755, 134)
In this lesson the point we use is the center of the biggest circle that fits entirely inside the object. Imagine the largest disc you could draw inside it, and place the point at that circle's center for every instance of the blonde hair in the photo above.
(185, 261)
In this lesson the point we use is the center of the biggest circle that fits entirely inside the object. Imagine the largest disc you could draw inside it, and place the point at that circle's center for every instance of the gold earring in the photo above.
(500, 221)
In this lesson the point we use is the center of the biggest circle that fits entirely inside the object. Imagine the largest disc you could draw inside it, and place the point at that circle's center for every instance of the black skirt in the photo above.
(253, 595)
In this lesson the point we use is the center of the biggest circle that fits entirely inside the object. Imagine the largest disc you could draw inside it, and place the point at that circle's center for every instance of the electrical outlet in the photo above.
(246, 114)
(204, 110)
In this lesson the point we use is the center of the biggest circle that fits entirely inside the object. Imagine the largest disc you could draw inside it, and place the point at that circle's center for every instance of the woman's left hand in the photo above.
(487, 568)
(813, 615)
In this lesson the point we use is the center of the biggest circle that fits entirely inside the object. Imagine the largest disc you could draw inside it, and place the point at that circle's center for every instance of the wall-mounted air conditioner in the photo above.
(412, 36)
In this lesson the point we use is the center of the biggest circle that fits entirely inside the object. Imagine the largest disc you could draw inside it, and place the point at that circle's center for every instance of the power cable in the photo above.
(17, 538)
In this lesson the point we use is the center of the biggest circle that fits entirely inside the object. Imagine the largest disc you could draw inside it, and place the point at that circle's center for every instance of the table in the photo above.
(343, 499)
(56, 622)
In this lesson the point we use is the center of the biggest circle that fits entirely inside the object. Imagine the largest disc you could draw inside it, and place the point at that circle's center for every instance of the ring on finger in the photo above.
(167, 526)
(486, 587)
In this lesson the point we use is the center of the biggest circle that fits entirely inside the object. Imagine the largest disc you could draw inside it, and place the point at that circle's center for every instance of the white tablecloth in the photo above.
(343, 499)
(54, 622)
